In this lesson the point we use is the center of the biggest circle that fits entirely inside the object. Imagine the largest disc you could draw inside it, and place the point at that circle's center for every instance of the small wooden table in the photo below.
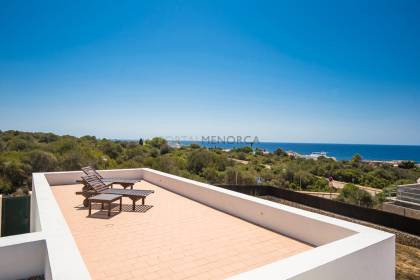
(104, 198)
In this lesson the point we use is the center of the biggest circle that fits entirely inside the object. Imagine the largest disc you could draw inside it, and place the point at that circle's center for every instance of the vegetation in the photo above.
(406, 164)
(353, 195)
(22, 153)
(407, 263)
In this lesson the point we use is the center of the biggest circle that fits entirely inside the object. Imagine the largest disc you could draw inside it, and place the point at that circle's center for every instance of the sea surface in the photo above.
(339, 151)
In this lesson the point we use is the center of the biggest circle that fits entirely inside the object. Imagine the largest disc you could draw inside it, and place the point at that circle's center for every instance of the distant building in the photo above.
(408, 196)
(313, 155)
(175, 145)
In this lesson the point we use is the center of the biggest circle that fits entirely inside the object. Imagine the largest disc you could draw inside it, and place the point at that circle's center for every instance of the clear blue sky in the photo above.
(295, 71)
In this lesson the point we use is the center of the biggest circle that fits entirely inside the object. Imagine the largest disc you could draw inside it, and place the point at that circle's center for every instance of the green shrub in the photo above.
(354, 195)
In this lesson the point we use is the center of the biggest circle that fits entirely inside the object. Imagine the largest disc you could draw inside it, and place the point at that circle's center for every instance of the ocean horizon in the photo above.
(379, 152)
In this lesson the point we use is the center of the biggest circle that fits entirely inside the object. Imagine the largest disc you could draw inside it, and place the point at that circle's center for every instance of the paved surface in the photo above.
(177, 238)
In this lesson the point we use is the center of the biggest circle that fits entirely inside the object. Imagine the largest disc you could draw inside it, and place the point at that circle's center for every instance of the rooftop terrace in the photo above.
(187, 229)
(171, 237)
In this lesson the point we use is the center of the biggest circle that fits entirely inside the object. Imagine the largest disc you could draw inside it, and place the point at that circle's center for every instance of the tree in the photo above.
(72, 160)
(354, 195)
(18, 144)
(238, 177)
(246, 150)
(279, 152)
(42, 161)
(357, 158)
(2, 146)
(111, 149)
(303, 179)
(17, 173)
(407, 164)
(157, 142)
(141, 142)
(164, 164)
(242, 156)
(350, 175)
(259, 152)
(5, 185)
(211, 174)
(164, 149)
(47, 137)
(198, 160)
(22, 153)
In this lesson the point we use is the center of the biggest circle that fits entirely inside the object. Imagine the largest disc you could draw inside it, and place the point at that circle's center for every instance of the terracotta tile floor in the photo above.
(176, 238)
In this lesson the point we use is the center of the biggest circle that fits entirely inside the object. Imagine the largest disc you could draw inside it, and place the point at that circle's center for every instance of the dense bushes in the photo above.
(41, 161)
(23, 153)
(407, 164)
(354, 195)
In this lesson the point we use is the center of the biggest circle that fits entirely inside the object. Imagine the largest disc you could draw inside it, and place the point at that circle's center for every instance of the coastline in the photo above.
(392, 154)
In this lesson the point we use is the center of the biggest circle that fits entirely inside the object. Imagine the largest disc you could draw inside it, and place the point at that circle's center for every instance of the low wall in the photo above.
(22, 256)
(70, 177)
(400, 210)
(383, 218)
(312, 229)
(62, 258)
(357, 257)
(345, 250)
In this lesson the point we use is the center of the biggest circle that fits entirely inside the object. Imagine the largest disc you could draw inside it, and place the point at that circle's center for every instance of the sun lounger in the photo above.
(125, 183)
(94, 186)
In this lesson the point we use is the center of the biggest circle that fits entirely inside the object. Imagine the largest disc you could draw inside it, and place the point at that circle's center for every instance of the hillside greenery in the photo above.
(22, 153)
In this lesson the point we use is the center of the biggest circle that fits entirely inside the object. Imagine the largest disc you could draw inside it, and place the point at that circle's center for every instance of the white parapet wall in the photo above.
(342, 250)
(22, 256)
(1, 208)
(62, 260)
(299, 224)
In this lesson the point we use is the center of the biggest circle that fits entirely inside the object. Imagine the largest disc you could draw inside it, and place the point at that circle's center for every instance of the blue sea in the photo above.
(339, 151)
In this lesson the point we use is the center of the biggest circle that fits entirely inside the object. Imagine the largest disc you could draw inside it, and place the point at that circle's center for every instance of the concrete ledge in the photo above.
(63, 258)
(345, 250)
(22, 256)
(70, 177)
(305, 226)
(360, 256)
(401, 210)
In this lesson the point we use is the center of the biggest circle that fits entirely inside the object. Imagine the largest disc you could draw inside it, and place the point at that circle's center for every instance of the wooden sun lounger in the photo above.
(125, 183)
(94, 186)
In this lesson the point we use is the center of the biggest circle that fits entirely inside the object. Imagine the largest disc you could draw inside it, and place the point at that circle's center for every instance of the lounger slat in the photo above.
(94, 185)
(89, 170)
(140, 193)
(92, 172)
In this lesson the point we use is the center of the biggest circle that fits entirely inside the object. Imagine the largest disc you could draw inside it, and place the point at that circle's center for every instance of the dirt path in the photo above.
(240, 161)
(246, 162)
(336, 184)
(371, 191)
